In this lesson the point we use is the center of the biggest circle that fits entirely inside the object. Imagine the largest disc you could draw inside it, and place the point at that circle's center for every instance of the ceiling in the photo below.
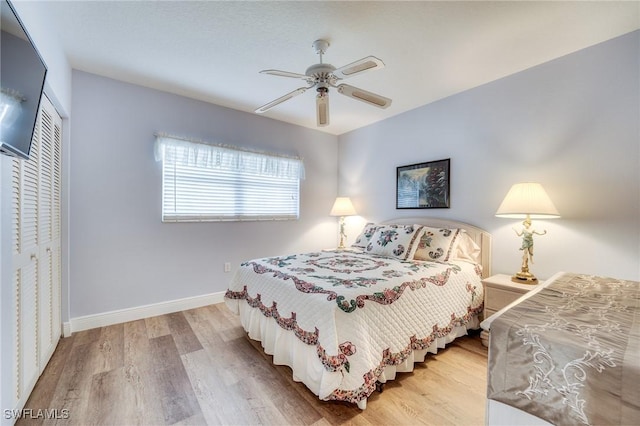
(213, 50)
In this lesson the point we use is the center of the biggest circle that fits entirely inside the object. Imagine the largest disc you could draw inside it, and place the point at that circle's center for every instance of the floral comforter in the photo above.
(360, 312)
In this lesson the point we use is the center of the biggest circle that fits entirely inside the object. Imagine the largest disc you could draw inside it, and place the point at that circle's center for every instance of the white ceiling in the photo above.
(213, 50)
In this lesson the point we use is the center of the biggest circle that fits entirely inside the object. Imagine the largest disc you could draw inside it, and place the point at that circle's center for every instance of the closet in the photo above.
(36, 250)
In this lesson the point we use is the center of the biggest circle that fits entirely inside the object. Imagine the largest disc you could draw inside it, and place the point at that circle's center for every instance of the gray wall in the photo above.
(570, 124)
(121, 254)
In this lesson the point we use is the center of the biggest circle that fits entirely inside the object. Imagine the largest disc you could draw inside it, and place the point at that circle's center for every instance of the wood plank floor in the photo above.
(197, 367)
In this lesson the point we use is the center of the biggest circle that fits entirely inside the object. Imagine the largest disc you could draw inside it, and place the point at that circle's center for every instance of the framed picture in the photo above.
(423, 185)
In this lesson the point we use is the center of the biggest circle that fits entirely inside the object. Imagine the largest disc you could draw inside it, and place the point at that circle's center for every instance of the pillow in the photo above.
(467, 249)
(366, 234)
(399, 241)
(436, 244)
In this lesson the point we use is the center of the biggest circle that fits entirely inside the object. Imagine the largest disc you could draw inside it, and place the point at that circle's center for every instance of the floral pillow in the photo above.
(399, 241)
(436, 244)
(366, 234)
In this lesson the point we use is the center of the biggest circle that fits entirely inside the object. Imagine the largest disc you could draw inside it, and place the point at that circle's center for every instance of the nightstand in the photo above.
(499, 291)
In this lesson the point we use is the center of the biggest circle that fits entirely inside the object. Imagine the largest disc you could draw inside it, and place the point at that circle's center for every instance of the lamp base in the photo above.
(524, 278)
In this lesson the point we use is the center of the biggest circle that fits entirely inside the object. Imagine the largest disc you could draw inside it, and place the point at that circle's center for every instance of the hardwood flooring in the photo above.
(197, 367)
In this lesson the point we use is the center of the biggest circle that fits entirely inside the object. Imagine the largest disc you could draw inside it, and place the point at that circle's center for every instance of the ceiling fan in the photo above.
(323, 76)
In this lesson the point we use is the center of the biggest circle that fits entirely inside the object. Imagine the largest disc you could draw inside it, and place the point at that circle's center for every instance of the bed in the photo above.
(346, 321)
(567, 352)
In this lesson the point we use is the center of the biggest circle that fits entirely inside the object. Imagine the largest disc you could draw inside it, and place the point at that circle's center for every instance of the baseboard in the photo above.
(131, 314)
(66, 329)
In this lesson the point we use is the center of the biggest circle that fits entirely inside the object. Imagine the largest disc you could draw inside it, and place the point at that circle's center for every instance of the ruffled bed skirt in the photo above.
(287, 349)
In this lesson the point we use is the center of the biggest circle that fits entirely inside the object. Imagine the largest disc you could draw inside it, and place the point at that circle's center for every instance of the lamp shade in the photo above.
(527, 199)
(342, 207)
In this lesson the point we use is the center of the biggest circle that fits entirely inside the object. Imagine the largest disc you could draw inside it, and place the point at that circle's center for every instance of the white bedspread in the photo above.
(355, 313)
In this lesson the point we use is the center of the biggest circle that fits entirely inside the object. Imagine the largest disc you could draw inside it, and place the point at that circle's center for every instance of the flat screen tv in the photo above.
(22, 75)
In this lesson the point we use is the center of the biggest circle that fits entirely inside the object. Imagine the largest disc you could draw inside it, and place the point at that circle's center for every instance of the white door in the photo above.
(36, 253)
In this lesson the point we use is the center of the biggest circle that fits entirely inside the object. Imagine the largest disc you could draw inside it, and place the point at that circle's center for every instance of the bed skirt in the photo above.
(288, 350)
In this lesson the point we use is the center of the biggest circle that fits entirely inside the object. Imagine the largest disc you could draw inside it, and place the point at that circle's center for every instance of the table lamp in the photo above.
(526, 201)
(342, 207)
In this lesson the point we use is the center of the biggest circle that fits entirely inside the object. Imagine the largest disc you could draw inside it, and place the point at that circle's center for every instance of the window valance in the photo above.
(205, 155)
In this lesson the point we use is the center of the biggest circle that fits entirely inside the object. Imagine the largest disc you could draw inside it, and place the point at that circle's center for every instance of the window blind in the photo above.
(203, 182)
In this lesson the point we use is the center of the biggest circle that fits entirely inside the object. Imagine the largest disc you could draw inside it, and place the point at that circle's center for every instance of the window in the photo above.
(202, 182)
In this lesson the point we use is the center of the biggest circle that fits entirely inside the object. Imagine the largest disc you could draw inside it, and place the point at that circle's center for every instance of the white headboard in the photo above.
(480, 236)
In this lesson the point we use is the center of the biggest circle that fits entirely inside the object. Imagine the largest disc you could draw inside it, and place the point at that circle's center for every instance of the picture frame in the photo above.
(423, 185)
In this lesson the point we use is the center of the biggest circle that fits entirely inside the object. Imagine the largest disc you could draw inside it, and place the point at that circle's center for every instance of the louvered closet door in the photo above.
(25, 264)
(56, 231)
(36, 252)
(48, 284)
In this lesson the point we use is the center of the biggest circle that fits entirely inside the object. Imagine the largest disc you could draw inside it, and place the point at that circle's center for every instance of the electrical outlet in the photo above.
(227, 267)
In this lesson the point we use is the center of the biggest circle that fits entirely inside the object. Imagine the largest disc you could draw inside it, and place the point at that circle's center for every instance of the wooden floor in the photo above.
(197, 367)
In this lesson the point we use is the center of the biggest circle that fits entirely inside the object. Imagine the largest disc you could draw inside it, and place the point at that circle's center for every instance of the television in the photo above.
(22, 76)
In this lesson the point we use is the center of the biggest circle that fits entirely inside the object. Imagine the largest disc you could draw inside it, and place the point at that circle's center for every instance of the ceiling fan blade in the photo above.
(284, 74)
(364, 96)
(322, 109)
(266, 107)
(357, 67)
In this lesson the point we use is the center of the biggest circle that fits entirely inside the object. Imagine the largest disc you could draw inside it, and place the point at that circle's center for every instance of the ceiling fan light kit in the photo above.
(325, 76)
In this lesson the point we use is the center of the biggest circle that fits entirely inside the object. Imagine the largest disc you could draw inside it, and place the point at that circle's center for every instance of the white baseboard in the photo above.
(131, 314)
